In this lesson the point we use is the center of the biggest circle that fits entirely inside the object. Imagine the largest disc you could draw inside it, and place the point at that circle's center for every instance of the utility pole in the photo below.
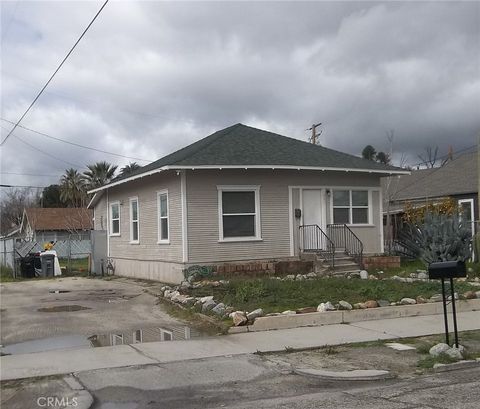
(313, 139)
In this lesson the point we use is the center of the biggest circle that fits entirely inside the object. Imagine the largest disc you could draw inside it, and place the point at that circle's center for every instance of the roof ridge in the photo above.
(214, 138)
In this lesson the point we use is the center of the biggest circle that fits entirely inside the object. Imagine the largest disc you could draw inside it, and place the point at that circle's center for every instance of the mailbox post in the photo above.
(442, 270)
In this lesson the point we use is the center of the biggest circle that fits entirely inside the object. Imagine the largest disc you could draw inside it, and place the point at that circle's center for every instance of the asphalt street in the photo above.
(249, 381)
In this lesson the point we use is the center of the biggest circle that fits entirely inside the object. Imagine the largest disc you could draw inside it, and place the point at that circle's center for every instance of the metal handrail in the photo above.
(344, 237)
(315, 240)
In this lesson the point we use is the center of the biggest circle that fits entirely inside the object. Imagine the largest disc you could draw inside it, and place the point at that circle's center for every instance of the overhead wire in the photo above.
(77, 144)
(54, 73)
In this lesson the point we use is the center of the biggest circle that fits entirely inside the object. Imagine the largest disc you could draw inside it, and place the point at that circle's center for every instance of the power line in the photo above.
(46, 153)
(28, 174)
(30, 187)
(54, 73)
(76, 144)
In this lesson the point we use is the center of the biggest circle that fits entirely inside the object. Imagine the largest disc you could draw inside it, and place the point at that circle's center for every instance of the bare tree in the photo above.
(429, 157)
(12, 205)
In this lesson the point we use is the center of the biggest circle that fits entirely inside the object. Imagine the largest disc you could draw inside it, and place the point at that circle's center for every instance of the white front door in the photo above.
(312, 207)
(313, 212)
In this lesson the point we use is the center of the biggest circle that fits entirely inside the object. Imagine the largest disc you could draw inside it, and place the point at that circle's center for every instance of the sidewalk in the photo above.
(68, 361)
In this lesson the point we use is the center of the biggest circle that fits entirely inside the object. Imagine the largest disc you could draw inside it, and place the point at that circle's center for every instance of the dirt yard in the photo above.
(40, 309)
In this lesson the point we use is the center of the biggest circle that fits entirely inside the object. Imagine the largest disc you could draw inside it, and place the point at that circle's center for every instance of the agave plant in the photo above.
(439, 237)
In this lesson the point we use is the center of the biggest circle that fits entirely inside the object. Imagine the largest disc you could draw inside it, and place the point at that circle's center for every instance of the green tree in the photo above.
(51, 197)
(99, 174)
(383, 157)
(131, 167)
(72, 189)
(369, 152)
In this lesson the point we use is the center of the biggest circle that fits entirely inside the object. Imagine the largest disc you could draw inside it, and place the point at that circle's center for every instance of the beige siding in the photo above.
(100, 214)
(145, 190)
(203, 220)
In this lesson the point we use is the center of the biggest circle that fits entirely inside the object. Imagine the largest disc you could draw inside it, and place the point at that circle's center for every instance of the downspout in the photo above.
(183, 194)
(108, 227)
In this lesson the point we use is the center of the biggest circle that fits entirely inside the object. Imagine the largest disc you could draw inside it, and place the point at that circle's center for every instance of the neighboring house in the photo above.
(47, 224)
(457, 179)
(239, 195)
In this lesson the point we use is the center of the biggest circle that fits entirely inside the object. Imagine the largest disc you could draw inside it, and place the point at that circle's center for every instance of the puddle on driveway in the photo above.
(63, 308)
(150, 334)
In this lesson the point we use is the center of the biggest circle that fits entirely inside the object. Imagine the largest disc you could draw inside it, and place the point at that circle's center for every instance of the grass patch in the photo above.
(6, 274)
(77, 266)
(429, 361)
(276, 296)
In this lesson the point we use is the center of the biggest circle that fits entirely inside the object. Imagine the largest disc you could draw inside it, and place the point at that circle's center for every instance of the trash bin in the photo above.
(48, 264)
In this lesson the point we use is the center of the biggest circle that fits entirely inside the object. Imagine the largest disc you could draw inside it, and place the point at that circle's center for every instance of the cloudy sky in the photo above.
(151, 77)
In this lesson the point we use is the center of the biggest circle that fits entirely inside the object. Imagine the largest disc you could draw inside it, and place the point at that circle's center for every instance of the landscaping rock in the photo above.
(273, 314)
(312, 275)
(255, 314)
(364, 274)
(407, 301)
(436, 298)
(290, 277)
(171, 294)
(203, 300)
(454, 353)
(383, 303)
(380, 272)
(208, 305)
(239, 318)
(438, 349)
(180, 298)
(344, 305)
(470, 295)
(289, 312)
(422, 275)
(219, 309)
(420, 300)
(359, 306)
(189, 301)
(372, 277)
(450, 297)
(371, 304)
(306, 310)
(354, 274)
(325, 306)
(165, 288)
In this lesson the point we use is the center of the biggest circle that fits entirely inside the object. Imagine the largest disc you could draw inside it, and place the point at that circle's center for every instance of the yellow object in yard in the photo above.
(48, 246)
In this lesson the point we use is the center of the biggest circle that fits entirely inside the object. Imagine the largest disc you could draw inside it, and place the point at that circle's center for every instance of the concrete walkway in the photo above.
(68, 361)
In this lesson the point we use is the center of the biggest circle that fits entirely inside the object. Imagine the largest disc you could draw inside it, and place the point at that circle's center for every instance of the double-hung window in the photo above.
(115, 219)
(134, 226)
(239, 212)
(163, 222)
(351, 206)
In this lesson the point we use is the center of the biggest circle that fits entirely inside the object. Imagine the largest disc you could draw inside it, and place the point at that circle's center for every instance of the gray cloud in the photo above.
(151, 77)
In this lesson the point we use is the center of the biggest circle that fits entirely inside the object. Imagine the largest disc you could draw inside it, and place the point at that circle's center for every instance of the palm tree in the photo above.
(127, 169)
(99, 174)
(72, 189)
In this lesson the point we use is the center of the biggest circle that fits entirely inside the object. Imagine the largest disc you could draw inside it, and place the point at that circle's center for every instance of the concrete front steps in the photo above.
(344, 264)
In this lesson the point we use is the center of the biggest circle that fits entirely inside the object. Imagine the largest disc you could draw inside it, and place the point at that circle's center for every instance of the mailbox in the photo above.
(298, 213)
(447, 269)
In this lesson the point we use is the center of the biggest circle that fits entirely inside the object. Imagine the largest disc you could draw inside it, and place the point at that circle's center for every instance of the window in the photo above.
(134, 220)
(466, 214)
(239, 217)
(351, 206)
(138, 336)
(166, 335)
(163, 224)
(115, 219)
(116, 339)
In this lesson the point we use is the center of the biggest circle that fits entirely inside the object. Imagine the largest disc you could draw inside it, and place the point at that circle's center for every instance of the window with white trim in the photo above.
(138, 336)
(166, 335)
(239, 215)
(163, 221)
(115, 219)
(351, 206)
(134, 226)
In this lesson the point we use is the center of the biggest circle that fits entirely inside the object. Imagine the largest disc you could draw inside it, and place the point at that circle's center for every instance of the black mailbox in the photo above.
(298, 213)
(447, 269)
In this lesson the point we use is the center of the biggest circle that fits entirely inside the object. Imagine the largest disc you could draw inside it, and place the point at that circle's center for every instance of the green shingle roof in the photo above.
(241, 145)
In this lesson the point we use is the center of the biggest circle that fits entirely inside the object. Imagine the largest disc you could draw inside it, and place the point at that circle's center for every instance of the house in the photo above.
(53, 224)
(457, 179)
(240, 196)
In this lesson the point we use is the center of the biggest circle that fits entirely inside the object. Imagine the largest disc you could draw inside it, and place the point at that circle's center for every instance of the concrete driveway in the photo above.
(32, 310)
